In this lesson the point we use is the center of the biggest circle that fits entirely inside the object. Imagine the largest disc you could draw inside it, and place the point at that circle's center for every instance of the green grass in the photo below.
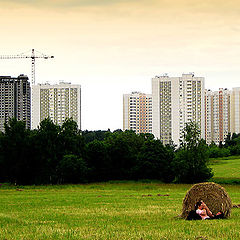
(226, 170)
(115, 210)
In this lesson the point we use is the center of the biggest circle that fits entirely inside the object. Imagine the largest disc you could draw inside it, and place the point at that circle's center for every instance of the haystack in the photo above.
(214, 195)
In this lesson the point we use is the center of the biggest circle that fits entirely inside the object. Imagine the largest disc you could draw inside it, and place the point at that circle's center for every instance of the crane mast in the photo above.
(33, 56)
(33, 68)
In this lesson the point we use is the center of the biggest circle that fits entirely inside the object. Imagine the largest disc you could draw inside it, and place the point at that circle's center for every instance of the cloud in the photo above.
(66, 3)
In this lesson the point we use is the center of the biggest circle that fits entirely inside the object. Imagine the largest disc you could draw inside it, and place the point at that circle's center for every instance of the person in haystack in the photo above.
(206, 201)
(203, 211)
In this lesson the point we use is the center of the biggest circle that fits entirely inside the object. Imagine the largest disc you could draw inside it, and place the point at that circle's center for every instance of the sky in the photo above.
(112, 47)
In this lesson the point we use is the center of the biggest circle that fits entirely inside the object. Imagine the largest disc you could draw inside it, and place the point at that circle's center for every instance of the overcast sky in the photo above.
(112, 47)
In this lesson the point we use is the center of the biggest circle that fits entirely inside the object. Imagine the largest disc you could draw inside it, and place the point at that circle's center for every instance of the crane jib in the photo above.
(32, 56)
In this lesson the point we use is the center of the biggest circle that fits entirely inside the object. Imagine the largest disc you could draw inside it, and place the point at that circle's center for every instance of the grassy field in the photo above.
(226, 170)
(114, 210)
(125, 210)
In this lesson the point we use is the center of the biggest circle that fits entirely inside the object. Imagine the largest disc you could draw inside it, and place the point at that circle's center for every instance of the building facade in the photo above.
(137, 112)
(177, 101)
(58, 102)
(15, 100)
(217, 115)
(235, 110)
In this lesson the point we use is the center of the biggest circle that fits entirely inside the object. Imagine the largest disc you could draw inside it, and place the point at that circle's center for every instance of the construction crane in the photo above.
(33, 56)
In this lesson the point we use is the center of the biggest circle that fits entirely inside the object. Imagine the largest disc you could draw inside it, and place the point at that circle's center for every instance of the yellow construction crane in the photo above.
(33, 56)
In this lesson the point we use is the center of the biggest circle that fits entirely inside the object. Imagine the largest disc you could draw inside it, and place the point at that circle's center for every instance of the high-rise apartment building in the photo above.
(217, 115)
(177, 101)
(137, 112)
(208, 116)
(58, 102)
(235, 110)
(15, 100)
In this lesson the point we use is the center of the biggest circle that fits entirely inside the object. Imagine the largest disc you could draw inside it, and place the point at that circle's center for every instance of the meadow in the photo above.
(226, 170)
(112, 210)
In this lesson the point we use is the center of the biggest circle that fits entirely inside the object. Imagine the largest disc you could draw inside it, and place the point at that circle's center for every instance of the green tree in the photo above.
(72, 169)
(123, 149)
(90, 136)
(70, 139)
(155, 161)
(3, 166)
(15, 146)
(190, 162)
(48, 151)
(215, 151)
(98, 160)
(232, 143)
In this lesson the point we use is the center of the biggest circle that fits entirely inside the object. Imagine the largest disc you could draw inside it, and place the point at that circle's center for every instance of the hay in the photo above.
(215, 197)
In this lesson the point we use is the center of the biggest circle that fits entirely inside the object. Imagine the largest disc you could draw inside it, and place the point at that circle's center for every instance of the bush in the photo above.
(215, 152)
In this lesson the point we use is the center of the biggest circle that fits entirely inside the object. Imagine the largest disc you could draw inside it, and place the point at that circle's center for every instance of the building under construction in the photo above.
(15, 100)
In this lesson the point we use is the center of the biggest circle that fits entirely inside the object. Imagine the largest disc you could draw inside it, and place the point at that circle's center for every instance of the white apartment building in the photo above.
(235, 110)
(58, 102)
(137, 112)
(177, 101)
(217, 115)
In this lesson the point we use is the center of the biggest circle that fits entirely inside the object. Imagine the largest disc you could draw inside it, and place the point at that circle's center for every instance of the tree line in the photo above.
(55, 154)
(230, 147)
